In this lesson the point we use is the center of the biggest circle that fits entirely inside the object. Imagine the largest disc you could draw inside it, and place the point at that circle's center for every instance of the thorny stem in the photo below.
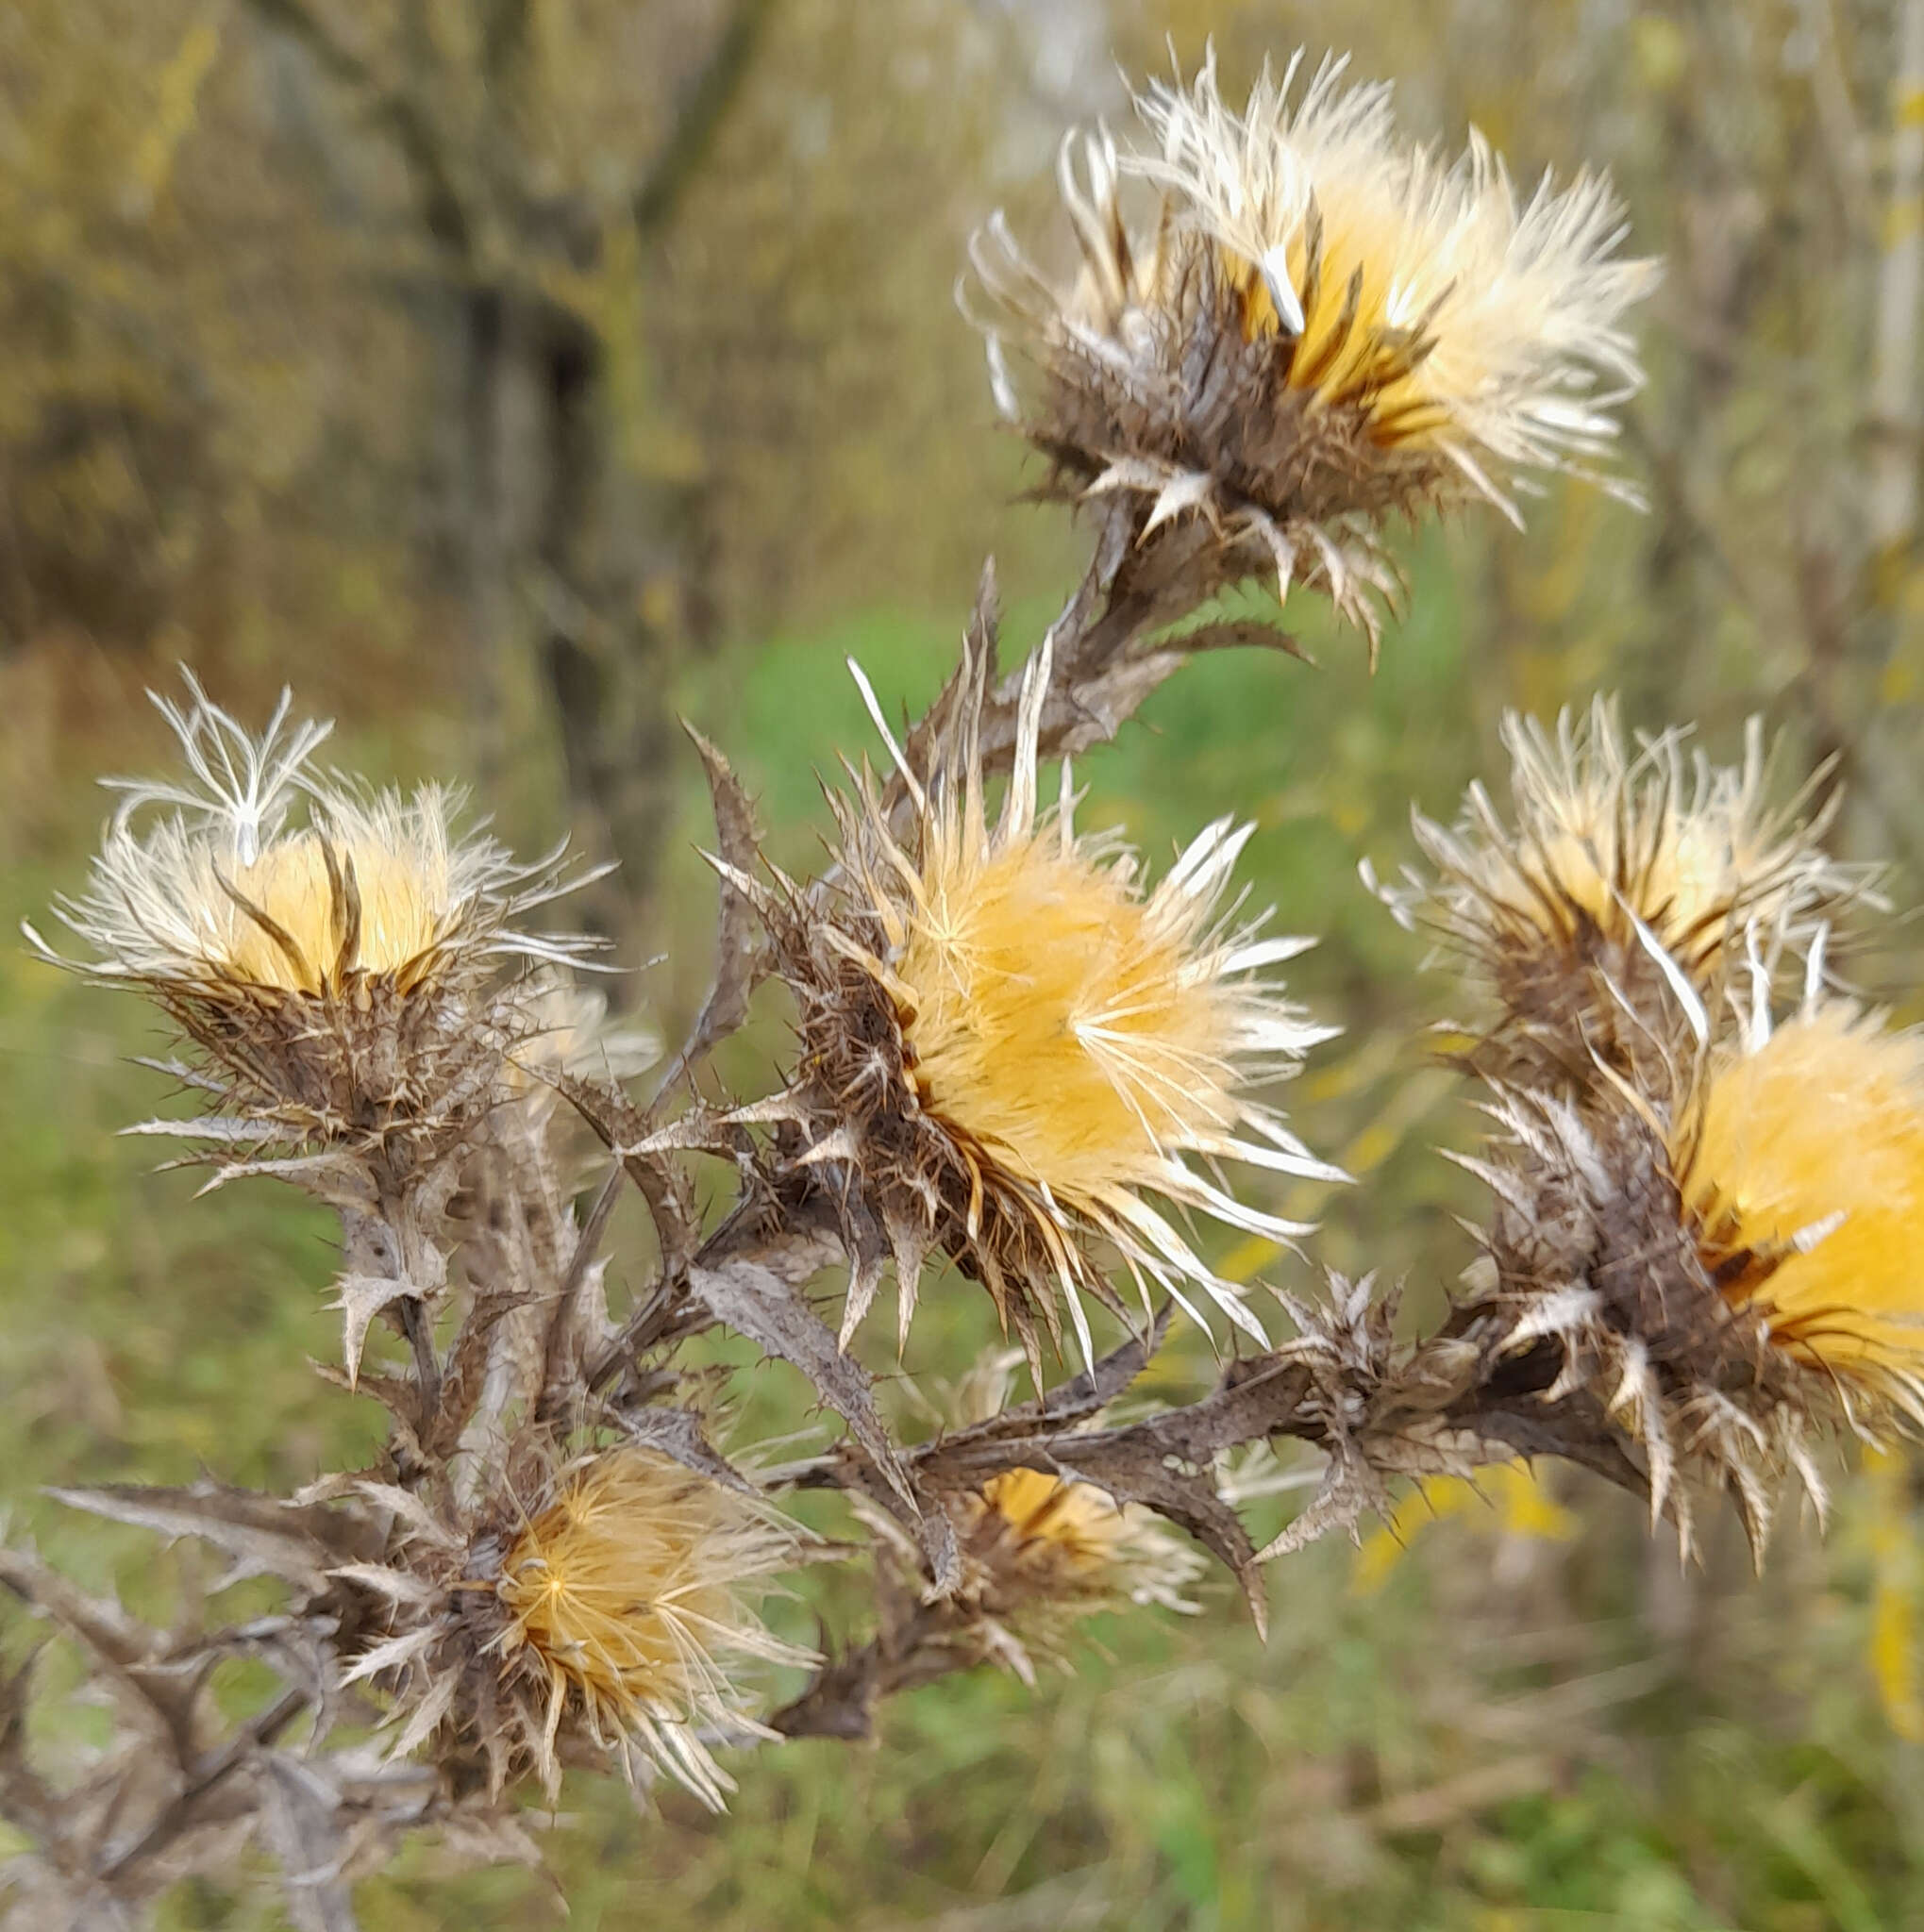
(1407, 1427)
(841, 1701)
(1378, 1411)
(587, 1244)
(227, 1759)
(420, 1334)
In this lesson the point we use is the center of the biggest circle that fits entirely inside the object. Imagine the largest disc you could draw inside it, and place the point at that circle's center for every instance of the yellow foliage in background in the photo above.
(1512, 1498)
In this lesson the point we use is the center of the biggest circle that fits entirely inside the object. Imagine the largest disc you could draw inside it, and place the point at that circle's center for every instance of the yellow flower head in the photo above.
(1020, 1042)
(1730, 1268)
(1628, 885)
(1321, 328)
(1804, 1169)
(1056, 1542)
(632, 1592)
(265, 878)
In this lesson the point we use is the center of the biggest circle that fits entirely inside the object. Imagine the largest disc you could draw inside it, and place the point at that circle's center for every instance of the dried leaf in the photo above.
(677, 1433)
(300, 1814)
(263, 1535)
(623, 1129)
(740, 952)
(397, 1585)
(360, 1298)
(755, 1300)
(1134, 1471)
(102, 1625)
(208, 1127)
(1343, 1497)
(483, 1838)
(24, 1798)
(1075, 1400)
(1242, 633)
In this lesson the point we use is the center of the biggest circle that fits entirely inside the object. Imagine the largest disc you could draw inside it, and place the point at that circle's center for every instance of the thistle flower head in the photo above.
(1728, 1267)
(1321, 328)
(1417, 292)
(1048, 1543)
(631, 1593)
(1607, 916)
(332, 950)
(1804, 1169)
(1015, 1043)
(1039, 1551)
(612, 1618)
(226, 891)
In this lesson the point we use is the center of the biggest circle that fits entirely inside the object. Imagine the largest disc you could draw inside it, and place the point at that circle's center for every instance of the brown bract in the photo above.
(1597, 1261)
(1730, 1271)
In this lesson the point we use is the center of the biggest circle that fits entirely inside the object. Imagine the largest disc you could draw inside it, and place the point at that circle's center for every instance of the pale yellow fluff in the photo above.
(1313, 205)
(1811, 1152)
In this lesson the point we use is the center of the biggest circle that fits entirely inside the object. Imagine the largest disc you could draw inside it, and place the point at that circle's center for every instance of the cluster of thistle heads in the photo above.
(1026, 1065)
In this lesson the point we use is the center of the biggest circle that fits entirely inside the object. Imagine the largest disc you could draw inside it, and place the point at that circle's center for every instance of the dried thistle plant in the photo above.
(1316, 330)
(1662, 1157)
(333, 957)
(1015, 1055)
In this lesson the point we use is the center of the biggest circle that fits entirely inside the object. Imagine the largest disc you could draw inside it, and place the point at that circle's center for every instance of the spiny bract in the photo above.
(1728, 1266)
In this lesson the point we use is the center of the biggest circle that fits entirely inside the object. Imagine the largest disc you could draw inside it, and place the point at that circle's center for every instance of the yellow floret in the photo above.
(1059, 1022)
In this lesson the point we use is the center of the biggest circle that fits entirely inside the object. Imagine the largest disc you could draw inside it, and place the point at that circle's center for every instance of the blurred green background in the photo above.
(515, 376)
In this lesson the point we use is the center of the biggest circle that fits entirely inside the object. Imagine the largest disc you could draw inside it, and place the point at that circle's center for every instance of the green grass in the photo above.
(1507, 1737)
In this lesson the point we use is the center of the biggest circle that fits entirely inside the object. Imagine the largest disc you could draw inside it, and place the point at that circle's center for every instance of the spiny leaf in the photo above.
(263, 1535)
(755, 1300)
(360, 1298)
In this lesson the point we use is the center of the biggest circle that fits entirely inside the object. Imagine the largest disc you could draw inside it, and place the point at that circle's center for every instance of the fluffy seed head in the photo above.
(1805, 1171)
(1606, 916)
(632, 1591)
(1415, 291)
(1018, 1043)
(1320, 329)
